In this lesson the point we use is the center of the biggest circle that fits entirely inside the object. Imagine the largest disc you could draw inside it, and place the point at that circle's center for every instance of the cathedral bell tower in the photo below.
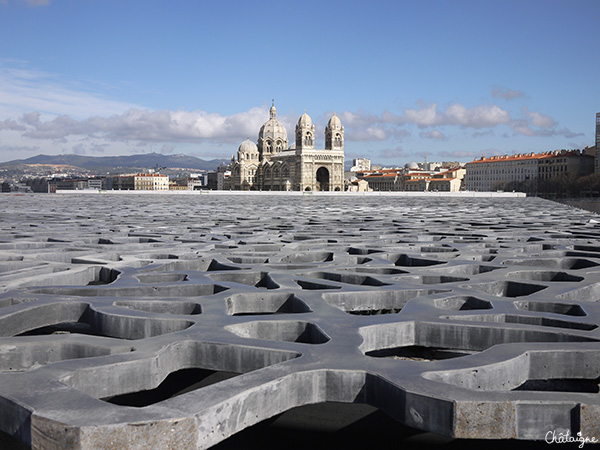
(305, 133)
(334, 134)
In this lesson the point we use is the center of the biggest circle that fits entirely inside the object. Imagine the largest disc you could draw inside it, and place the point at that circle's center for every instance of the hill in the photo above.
(116, 163)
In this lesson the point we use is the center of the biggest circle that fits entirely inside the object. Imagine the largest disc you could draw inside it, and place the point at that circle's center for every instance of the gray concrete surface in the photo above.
(158, 321)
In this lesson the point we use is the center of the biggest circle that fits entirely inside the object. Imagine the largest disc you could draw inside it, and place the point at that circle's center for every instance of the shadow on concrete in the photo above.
(334, 426)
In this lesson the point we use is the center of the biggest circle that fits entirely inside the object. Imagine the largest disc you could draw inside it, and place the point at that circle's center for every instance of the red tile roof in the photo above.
(526, 156)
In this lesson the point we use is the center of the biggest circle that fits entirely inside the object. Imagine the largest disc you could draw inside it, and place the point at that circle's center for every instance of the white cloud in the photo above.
(460, 154)
(26, 90)
(167, 149)
(154, 126)
(393, 153)
(427, 116)
(472, 154)
(522, 127)
(10, 124)
(433, 134)
(506, 94)
(539, 120)
(481, 116)
(19, 149)
(478, 134)
(370, 127)
(535, 124)
(40, 111)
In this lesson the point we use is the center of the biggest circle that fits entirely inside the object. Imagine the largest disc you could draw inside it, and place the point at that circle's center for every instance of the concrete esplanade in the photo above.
(174, 322)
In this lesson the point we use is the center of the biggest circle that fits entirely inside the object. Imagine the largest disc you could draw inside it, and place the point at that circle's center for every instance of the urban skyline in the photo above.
(446, 80)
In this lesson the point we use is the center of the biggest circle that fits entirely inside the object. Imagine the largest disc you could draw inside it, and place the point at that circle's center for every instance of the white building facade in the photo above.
(486, 174)
(490, 174)
(273, 165)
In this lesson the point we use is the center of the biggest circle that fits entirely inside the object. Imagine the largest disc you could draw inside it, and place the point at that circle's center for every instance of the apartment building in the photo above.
(597, 155)
(383, 180)
(451, 180)
(487, 174)
(151, 182)
(493, 173)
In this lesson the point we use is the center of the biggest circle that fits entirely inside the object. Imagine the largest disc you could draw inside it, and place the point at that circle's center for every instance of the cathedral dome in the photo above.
(248, 147)
(272, 128)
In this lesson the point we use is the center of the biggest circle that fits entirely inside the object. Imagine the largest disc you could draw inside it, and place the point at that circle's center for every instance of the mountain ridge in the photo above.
(103, 163)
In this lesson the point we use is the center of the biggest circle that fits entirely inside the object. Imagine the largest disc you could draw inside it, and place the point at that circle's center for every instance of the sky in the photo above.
(450, 80)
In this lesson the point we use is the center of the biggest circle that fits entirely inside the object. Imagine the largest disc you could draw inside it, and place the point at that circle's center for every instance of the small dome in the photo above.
(248, 147)
(412, 165)
(334, 123)
(305, 120)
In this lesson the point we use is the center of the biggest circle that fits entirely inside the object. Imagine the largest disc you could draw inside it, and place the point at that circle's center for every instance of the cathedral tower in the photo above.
(334, 134)
(305, 133)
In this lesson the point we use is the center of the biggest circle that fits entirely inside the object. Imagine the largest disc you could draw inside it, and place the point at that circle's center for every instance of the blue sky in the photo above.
(446, 79)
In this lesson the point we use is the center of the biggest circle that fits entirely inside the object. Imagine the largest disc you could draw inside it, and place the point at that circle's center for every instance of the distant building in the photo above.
(384, 180)
(178, 185)
(22, 187)
(452, 180)
(151, 182)
(95, 183)
(67, 184)
(272, 165)
(198, 181)
(414, 178)
(597, 158)
(219, 179)
(120, 183)
(493, 173)
(360, 164)
(357, 185)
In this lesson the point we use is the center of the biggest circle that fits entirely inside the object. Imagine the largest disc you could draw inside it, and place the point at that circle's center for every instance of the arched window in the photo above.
(308, 140)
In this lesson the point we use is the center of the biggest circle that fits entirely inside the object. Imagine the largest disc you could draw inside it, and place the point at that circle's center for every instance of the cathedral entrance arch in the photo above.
(322, 179)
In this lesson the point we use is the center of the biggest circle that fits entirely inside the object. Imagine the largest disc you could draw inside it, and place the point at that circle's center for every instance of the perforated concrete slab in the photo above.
(174, 322)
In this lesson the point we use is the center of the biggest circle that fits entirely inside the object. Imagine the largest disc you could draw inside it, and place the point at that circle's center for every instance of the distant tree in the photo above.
(588, 185)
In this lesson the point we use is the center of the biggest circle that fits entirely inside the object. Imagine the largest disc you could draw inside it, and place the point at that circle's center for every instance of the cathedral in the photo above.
(272, 165)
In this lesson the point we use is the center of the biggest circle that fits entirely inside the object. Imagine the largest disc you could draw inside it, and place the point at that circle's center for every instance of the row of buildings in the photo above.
(445, 177)
(272, 164)
(130, 182)
(522, 171)
(496, 172)
(527, 172)
(597, 160)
